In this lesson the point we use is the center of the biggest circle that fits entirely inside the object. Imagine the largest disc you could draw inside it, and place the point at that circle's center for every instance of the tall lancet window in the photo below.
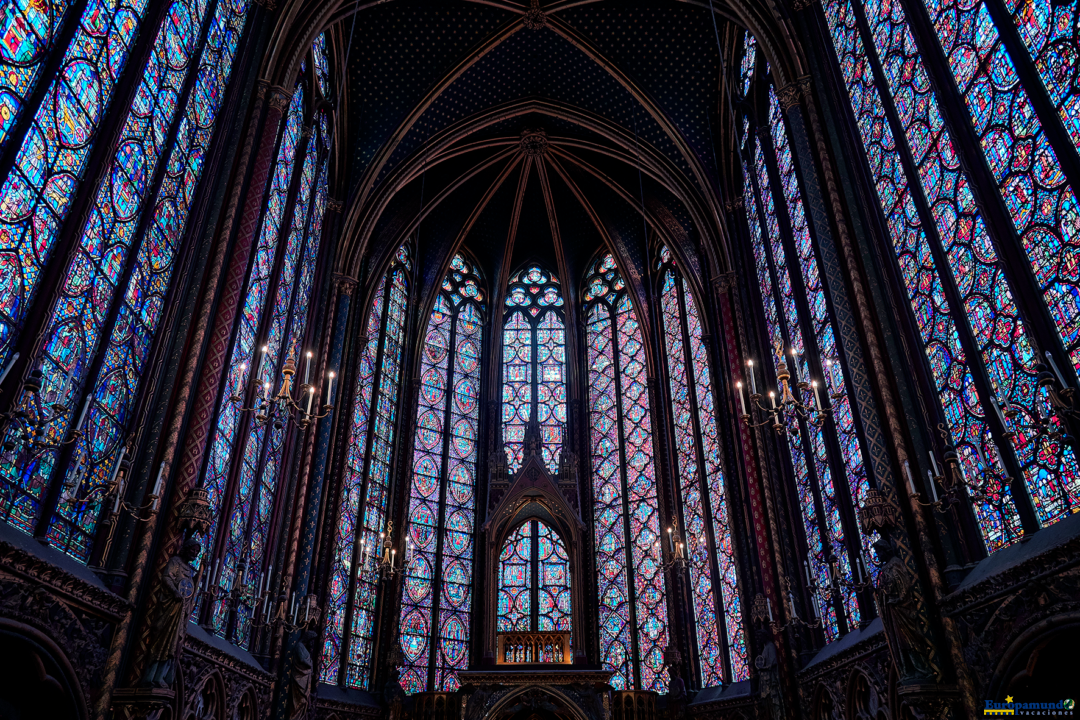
(626, 516)
(437, 597)
(826, 459)
(534, 581)
(963, 136)
(365, 489)
(534, 365)
(100, 330)
(721, 641)
(247, 456)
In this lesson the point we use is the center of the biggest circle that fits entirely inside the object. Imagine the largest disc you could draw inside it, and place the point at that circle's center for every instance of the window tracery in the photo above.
(534, 365)
(534, 581)
(437, 596)
(630, 582)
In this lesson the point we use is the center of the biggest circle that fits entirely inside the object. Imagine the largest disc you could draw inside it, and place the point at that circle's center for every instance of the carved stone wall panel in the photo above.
(200, 663)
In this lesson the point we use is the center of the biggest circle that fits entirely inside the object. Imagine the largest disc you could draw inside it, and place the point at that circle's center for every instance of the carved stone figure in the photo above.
(300, 684)
(769, 681)
(393, 695)
(903, 628)
(174, 596)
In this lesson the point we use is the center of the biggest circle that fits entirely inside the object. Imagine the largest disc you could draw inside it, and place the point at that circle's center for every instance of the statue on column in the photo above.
(174, 596)
(393, 695)
(300, 679)
(768, 666)
(899, 614)
(676, 707)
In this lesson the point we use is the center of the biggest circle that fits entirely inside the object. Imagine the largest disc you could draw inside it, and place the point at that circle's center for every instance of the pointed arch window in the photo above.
(534, 581)
(99, 335)
(626, 514)
(437, 597)
(989, 325)
(718, 627)
(826, 460)
(534, 365)
(350, 619)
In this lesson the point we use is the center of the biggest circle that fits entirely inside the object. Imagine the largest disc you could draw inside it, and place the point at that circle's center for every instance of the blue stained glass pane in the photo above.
(37, 193)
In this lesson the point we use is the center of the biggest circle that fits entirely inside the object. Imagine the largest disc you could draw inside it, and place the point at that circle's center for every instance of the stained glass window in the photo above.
(247, 455)
(626, 516)
(27, 33)
(785, 268)
(950, 267)
(38, 191)
(85, 316)
(534, 581)
(437, 598)
(366, 484)
(721, 639)
(534, 365)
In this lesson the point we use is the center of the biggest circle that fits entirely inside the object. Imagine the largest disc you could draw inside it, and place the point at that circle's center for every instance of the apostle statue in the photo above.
(173, 599)
(899, 614)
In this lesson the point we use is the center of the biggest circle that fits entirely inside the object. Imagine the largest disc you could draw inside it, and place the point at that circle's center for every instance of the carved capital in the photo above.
(307, 132)
(724, 282)
(344, 284)
(279, 98)
(788, 96)
(733, 205)
(803, 84)
(261, 87)
(799, 5)
(333, 205)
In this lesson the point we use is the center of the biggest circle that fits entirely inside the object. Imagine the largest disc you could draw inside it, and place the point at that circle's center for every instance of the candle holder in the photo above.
(677, 551)
(785, 411)
(283, 408)
(384, 564)
(34, 413)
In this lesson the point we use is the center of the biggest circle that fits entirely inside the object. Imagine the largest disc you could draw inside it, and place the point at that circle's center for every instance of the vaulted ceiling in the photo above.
(534, 131)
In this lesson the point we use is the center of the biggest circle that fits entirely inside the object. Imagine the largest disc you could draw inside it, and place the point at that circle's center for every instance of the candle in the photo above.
(933, 462)
(933, 487)
(791, 599)
(266, 608)
(772, 399)
(829, 379)
(116, 503)
(865, 573)
(910, 482)
(817, 394)
(160, 480)
(307, 610)
(768, 604)
(742, 398)
(82, 415)
(330, 390)
(307, 369)
(1049, 357)
(1001, 460)
(266, 391)
(7, 368)
(809, 578)
(794, 366)
(311, 394)
(393, 558)
(262, 361)
(753, 383)
(670, 540)
(116, 470)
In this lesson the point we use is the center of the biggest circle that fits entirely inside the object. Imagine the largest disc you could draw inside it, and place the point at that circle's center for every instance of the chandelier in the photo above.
(282, 407)
(785, 410)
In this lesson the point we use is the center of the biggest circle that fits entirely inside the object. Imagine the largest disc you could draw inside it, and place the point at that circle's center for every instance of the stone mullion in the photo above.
(30, 333)
(589, 595)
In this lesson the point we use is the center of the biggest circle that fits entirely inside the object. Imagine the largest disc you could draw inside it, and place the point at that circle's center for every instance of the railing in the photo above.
(534, 647)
